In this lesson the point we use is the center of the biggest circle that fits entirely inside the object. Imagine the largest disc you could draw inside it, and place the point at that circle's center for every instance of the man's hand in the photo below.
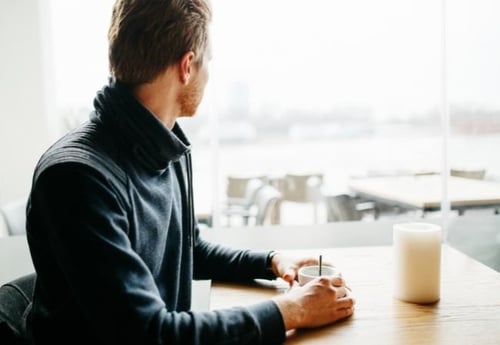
(321, 301)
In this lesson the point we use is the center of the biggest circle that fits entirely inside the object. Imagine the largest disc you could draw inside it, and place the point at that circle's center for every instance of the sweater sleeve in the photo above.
(213, 261)
(81, 222)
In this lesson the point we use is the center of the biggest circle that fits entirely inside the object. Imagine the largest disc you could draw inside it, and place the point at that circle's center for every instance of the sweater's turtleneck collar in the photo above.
(149, 138)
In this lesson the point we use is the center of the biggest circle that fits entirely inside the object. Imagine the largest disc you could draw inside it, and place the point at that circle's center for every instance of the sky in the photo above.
(314, 55)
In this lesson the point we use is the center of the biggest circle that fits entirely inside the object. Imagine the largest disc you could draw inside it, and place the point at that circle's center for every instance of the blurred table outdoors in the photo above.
(424, 192)
(468, 312)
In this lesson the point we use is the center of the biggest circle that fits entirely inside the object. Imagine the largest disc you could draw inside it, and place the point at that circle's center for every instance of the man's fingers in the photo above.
(345, 302)
(338, 281)
(345, 312)
(289, 275)
(340, 292)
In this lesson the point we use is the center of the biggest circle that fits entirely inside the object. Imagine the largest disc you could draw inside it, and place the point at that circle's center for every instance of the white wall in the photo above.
(24, 88)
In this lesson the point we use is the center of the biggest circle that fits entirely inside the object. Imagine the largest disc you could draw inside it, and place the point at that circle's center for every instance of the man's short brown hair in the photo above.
(147, 36)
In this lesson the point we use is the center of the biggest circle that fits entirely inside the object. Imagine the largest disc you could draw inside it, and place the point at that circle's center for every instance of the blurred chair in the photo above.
(265, 209)
(343, 207)
(14, 216)
(240, 207)
(268, 206)
(248, 197)
(303, 189)
(473, 174)
(236, 185)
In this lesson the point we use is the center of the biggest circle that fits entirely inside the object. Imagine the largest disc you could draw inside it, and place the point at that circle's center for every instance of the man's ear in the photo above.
(186, 67)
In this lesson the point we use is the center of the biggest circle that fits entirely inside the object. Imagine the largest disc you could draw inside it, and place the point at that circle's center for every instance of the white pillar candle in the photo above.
(417, 262)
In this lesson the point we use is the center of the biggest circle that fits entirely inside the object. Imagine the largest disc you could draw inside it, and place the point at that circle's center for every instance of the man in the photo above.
(110, 218)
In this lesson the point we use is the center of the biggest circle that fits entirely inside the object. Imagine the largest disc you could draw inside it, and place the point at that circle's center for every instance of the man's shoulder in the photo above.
(85, 147)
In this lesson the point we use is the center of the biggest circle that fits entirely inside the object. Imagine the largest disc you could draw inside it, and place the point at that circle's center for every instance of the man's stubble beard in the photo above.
(190, 99)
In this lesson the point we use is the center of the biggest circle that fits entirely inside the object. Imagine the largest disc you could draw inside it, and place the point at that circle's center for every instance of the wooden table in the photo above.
(425, 192)
(468, 312)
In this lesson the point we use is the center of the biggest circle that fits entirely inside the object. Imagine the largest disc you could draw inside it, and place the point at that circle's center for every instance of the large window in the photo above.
(474, 81)
(345, 90)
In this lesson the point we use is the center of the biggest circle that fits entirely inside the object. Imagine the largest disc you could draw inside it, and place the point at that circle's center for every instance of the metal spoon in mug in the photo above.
(320, 264)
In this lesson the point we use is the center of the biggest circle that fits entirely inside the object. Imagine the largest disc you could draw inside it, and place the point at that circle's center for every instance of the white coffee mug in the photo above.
(308, 273)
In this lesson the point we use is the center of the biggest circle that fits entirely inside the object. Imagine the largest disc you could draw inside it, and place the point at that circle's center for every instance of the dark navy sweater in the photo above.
(115, 245)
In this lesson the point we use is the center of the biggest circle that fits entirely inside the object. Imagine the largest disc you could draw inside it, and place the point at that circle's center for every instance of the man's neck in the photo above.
(160, 98)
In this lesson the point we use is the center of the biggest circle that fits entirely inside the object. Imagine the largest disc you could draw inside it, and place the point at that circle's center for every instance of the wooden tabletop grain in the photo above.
(467, 313)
